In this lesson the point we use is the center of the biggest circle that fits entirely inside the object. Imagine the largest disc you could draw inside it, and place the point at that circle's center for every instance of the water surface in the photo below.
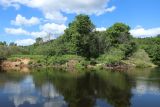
(54, 88)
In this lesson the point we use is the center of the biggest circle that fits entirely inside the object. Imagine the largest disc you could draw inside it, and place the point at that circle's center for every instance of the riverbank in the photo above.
(139, 59)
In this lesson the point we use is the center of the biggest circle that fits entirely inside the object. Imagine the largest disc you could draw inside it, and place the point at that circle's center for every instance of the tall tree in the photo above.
(79, 34)
(119, 33)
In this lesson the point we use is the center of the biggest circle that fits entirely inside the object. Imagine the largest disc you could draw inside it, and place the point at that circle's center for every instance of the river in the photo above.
(57, 88)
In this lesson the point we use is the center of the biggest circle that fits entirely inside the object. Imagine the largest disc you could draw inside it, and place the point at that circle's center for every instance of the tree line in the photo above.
(152, 46)
(81, 38)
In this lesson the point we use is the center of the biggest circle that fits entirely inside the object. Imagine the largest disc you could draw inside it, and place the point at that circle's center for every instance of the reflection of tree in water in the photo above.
(92, 86)
(10, 76)
(155, 76)
(84, 90)
(43, 81)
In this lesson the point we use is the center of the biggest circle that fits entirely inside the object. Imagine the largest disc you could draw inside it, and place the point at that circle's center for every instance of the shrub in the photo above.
(114, 55)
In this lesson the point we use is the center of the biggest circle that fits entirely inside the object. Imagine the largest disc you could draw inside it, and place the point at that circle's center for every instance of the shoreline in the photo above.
(23, 64)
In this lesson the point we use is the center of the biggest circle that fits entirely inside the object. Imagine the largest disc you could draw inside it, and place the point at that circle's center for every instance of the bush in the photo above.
(63, 59)
(139, 59)
(114, 55)
(93, 62)
(154, 53)
(82, 65)
(128, 49)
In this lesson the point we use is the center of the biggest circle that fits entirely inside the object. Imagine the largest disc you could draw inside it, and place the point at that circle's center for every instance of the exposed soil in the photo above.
(19, 64)
(71, 65)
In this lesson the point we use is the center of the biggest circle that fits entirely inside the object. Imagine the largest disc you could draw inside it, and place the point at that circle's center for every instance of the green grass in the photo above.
(63, 59)
(51, 60)
(33, 57)
(139, 59)
(114, 55)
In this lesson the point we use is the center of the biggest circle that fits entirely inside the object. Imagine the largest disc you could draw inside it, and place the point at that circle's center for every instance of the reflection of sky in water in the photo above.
(102, 103)
(145, 94)
(26, 92)
(146, 87)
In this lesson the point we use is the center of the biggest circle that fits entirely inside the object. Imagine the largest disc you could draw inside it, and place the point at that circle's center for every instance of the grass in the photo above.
(49, 61)
(139, 59)
(114, 55)
(63, 59)
(33, 57)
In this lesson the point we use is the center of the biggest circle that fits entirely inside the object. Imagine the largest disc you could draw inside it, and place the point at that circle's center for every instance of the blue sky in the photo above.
(22, 21)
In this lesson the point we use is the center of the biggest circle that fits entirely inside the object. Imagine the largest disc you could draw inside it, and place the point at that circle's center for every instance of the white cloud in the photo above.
(25, 42)
(53, 9)
(16, 31)
(38, 34)
(53, 28)
(111, 9)
(101, 29)
(8, 3)
(20, 21)
(142, 32)
(50, 28)
(55, 16)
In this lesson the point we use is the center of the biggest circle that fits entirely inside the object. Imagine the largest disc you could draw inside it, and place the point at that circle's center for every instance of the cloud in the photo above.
(9, 3)
(49, 28)
(142, 32)
(25, 42)
(111, 9)
(54, 9)
(56, 29)
(16, 31)
(20, 21)
(101, 29)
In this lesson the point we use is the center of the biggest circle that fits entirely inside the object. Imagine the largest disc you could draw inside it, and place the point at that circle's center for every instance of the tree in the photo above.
(119, 33)
(156, 55)
(80, 35)
(104, 41)
(3, 43)
(39, 40)
(12, 44)
(158, 35)
(120, 37)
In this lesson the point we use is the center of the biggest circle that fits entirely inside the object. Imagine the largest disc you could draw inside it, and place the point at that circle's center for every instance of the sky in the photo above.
(22, 21)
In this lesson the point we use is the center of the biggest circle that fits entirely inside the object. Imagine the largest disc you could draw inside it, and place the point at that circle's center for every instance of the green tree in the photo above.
(39, 40)
(80, 35)
(12, 44)
(3, 43)
(156, 55)
(151, 46)
(119, 33)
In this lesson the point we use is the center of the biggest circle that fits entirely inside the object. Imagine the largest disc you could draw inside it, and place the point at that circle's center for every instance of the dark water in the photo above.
(53, 88)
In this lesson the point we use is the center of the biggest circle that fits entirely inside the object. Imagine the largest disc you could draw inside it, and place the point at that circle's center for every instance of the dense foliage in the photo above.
(81, 39)
(152, 47)
(11, 49)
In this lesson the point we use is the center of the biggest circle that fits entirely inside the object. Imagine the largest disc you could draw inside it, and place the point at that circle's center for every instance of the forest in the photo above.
(82, 42)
